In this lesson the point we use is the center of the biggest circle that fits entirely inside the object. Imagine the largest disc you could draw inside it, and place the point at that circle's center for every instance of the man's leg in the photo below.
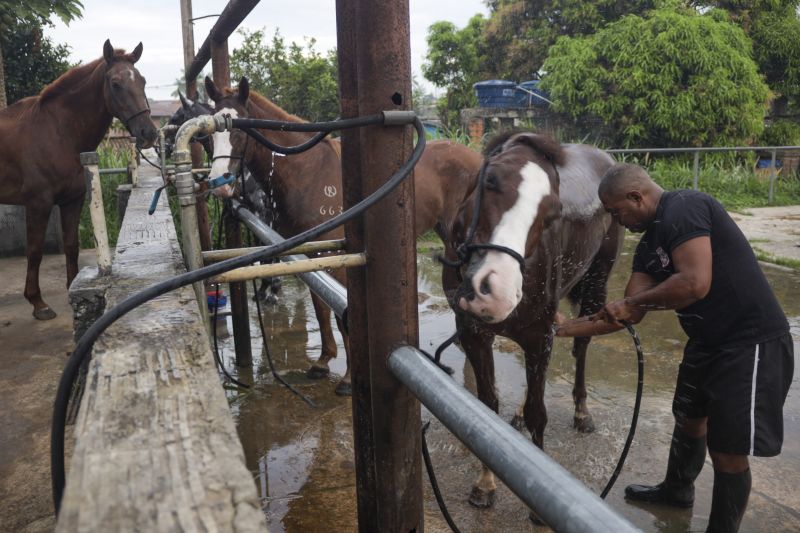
(731, 490)
(687, 454)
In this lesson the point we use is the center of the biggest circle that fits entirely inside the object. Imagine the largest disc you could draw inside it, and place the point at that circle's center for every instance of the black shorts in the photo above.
(741, 390)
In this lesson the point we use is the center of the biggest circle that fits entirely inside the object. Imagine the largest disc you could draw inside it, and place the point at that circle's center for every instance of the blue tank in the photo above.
(526, 99)
(495, 93)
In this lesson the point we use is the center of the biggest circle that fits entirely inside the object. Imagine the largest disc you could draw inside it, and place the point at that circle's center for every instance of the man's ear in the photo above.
(634, 196)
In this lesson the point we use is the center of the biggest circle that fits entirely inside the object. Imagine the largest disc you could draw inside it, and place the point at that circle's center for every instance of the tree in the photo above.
(671, 78)
(520, 32)
(32, 61)
(454, 61)
(26, 13)
(180, 85)
(299, 79)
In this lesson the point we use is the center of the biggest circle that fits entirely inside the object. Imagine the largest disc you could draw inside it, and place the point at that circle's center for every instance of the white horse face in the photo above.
(225, 162)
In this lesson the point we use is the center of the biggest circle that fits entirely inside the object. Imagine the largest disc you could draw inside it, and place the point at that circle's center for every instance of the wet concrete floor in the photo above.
(302, 457)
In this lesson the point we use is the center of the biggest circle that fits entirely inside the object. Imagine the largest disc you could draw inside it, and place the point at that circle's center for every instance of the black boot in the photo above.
(686, 458)
(729, 501)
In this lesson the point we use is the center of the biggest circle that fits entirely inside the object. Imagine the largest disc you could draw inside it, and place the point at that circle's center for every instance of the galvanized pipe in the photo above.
(298, 266)
(215, 256)
(562, 501)
(323, 285)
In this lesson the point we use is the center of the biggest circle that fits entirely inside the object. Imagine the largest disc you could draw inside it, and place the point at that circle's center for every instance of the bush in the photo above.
(781, 133)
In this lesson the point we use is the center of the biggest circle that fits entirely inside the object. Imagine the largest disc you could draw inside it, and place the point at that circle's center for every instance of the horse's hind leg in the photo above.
(344, 387)
(36, 224)
(319, 368)
(478, 347)
(70, 219)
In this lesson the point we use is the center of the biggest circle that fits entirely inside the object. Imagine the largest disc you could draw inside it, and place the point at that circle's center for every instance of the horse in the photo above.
(531, 231)
(306, 189)
(41, 138)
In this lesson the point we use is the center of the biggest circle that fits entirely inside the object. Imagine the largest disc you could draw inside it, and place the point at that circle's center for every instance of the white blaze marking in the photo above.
(222, 152)
(499, 269)
(130, 73)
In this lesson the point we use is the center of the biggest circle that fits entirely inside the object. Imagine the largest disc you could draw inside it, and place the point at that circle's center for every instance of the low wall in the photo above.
(156, 448)
(13, 233)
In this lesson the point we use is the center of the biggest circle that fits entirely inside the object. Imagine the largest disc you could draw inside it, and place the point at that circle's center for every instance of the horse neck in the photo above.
(78, 108)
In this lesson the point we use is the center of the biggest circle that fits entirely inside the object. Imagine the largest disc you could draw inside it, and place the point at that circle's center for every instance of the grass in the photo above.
(110, 157)
(767, 257)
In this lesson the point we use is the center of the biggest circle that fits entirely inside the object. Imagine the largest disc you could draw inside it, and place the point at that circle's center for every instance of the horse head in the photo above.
(229, 146)
(123, 91)
(189, 109)
(501, 222)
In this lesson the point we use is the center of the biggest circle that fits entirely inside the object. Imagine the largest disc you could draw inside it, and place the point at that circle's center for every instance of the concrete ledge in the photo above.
(156, 447)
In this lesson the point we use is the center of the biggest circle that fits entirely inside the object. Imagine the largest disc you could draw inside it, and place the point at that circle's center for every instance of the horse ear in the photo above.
(211, 90)
(185, 102)
(137, 53)
(545, 144)
(244, 90)
(108, 51)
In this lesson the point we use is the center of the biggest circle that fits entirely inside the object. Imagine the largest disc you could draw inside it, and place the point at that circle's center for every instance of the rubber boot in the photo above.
(686, 458)
(729, 501)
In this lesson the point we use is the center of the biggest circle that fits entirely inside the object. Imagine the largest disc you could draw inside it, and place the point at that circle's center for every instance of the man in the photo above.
(738, 362)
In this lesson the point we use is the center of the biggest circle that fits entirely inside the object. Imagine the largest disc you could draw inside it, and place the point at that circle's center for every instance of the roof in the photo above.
(163, 108)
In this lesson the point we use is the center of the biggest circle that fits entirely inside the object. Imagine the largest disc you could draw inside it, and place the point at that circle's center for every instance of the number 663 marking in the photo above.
(330, 210)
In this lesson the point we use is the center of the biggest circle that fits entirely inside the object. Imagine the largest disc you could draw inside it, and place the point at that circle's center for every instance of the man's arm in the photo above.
(589, 326)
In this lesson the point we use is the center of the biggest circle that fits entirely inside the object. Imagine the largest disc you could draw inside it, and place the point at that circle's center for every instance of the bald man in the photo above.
(739, 361)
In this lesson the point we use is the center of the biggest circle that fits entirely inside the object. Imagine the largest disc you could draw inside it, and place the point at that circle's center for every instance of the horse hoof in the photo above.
(317, 372)
(45, 313)
(518, 423)
(533, 517)
(271, 299)
(480, 498)
(343, 389)
(584, 424)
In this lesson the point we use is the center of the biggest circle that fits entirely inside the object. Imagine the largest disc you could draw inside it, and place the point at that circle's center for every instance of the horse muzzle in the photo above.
(488, 292)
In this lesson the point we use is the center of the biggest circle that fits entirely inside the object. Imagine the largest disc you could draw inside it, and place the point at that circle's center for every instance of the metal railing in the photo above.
(697, 151)
(562, 501)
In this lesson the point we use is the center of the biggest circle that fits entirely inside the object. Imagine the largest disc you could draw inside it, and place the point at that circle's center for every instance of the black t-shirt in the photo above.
(740, 305)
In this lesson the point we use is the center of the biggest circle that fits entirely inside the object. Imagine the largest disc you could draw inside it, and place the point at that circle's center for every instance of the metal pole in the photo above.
(358, 321)
(382, 38)
(90, 163)
(696, 170)
(772, 177)
(233, 234)
(562, 501)
(184, 186)
(320, 283)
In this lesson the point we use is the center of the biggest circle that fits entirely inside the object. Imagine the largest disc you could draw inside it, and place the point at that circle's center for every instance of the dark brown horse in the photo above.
(539, 208)
(41, 138)
(306, 189)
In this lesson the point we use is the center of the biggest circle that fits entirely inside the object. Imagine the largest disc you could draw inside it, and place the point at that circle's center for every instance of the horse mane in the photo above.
(266, 104)
(73, 78)
(543, 143)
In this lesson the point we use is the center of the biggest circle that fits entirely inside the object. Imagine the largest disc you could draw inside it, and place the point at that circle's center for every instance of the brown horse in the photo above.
(305, 189)
(41, 138)
(540, 234)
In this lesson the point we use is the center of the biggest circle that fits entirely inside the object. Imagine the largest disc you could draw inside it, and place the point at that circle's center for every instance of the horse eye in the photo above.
(491, 183)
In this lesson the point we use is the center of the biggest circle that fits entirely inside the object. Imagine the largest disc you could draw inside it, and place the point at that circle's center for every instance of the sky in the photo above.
(157, 24)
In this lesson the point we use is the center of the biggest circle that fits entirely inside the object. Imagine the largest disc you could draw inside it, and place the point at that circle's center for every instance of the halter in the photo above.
(465, 249)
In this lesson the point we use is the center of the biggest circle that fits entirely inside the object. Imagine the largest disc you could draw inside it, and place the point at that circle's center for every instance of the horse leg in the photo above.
(70, 219)
(36, 224)
(319, 368)
(518, 422)
(478, 348)
(344, 387)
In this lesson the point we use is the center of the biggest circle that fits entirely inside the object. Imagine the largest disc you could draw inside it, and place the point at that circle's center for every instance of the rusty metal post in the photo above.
(233, 233)
(191, 92)
(383, 305)
(357, 323)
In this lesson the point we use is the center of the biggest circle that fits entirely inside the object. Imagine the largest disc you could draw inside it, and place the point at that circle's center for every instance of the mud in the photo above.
(301, 456)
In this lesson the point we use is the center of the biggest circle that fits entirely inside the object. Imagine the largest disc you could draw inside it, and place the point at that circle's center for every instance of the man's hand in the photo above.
(619, 311)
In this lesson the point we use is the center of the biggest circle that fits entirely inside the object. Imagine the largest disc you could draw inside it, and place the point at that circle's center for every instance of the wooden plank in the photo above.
(156, 448)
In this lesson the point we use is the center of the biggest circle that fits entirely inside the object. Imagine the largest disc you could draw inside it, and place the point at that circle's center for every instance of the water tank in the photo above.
(526, 99)
(496, 93)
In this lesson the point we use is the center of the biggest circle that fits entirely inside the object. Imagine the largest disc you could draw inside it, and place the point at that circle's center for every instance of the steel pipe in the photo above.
(291, 267)
(323, 285)
(215, 256)
(562, 501)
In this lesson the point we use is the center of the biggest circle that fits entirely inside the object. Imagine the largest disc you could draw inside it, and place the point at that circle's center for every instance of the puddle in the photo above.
(301, 457)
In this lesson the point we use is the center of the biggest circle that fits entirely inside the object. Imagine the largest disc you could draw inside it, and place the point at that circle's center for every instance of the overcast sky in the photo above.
(157, 23)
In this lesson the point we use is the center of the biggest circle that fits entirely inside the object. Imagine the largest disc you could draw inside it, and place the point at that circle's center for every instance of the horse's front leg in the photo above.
(70, 220)
(36, 217)
(344, 387)
(478, 347)
(582, 420)
(319, 368)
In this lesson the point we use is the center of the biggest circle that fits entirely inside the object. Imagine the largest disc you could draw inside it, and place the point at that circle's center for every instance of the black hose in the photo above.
(637, 404)
(279, 125)
(288, 150)
(88, 339)
(426, 456)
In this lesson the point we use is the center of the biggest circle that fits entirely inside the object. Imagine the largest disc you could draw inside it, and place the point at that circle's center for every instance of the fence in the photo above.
(773, 150)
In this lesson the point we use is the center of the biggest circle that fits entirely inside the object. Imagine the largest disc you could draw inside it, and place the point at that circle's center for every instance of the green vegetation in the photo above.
(761, 255)
(110, 157)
